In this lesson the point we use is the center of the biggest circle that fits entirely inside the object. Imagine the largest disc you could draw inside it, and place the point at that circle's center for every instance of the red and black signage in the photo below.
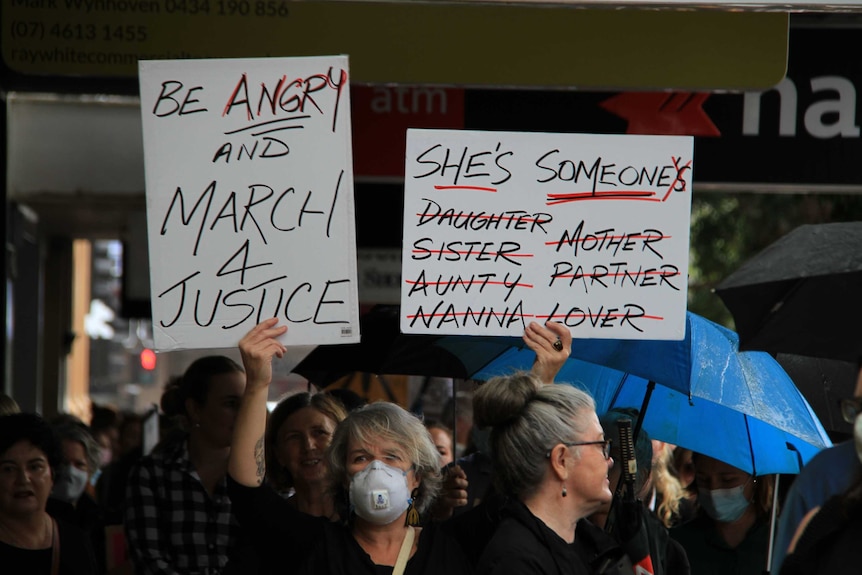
(804, 133)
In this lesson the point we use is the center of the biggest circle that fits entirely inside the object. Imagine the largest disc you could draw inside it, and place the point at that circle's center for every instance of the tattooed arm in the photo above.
(247, 463)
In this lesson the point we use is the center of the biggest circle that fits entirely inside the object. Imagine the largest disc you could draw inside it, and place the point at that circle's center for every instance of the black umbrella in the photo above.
(824, 383)
(382, 349)
(802, 294)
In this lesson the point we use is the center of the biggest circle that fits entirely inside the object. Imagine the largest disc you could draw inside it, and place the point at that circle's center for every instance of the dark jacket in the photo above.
(642, 534)
(830, 543)
(289, 541)
(88, 517)
(522, 544)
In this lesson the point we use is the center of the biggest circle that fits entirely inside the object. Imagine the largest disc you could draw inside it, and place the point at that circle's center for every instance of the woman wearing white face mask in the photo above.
(730, 535)
(380, 455)
(81, 458)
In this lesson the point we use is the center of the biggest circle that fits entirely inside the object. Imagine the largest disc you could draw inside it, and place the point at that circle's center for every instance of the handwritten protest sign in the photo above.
(250, 209)
(503, 228)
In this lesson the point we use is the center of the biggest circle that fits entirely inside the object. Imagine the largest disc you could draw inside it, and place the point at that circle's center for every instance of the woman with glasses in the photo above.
(552, 459)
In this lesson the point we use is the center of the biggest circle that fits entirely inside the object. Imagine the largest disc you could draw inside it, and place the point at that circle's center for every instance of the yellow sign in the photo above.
(462, 44)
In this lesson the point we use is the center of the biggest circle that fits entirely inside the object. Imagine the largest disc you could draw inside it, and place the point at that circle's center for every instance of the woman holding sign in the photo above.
(380, 455)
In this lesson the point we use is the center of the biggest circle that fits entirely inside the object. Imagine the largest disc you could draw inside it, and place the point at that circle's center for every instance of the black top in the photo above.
(524, 545)
(293, 542)
(76, 555)
(830, 543)
(88, 516)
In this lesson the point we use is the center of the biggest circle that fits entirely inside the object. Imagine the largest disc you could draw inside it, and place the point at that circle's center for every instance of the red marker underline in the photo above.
(477, 254)
(474, 188)
(594, 237)
(467, 284)
(464, 313)
(620, 274)
(602, 315)
(631, 195)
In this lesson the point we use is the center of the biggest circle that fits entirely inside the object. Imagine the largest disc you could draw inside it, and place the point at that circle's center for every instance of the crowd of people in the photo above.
(323, 484)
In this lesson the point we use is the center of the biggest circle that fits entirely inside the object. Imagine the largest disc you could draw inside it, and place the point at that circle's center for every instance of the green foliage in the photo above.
(729, 228)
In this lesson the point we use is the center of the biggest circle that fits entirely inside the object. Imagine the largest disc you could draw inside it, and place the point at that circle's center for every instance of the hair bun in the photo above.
(502, 399)
(171, 402)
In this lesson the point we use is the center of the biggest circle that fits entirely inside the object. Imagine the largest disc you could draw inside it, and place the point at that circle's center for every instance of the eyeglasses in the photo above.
(850, 408)
(605, 443)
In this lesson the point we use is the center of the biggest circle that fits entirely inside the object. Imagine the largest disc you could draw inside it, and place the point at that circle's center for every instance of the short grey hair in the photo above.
(79, 434)
(388, 421)
(527, 419)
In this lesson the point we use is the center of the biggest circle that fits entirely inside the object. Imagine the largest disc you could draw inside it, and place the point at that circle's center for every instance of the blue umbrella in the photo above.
(700, 393)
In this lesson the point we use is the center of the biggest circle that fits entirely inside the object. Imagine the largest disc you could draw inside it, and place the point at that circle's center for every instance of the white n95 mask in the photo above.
(70, 484)
(379, 493)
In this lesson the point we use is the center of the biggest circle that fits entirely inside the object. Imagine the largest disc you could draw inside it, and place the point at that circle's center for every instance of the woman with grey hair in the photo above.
(552, 459)
(70, 498)
(381, 455)
(81, 457)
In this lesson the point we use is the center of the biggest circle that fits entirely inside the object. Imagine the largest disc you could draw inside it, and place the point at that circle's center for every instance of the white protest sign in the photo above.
(250, 211)
(502, 228)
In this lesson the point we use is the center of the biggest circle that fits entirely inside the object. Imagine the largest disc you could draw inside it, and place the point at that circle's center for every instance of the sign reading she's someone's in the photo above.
(250, 211)
(501, 229)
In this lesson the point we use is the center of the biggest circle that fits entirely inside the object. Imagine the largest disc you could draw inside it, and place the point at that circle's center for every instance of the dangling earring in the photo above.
(564, 491)
(412, 518)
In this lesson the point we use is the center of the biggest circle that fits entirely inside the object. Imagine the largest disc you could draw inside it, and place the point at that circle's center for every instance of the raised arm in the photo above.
(541, 339)
(258, 347)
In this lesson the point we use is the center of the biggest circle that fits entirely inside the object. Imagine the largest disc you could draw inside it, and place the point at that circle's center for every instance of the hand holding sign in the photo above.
(258, 348)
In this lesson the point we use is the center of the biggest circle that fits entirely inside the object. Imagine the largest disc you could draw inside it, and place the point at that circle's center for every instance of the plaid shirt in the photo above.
(172, 524)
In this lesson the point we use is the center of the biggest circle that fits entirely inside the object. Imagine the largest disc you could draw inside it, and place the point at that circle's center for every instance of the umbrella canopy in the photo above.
(705, 367)
(777, 441)
(382, 349)
(800, 295)
(824, 383)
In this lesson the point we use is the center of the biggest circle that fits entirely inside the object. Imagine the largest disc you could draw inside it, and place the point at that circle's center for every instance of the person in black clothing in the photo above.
(70, 498)
(628, 519)
(381, 454)
(31, 541)
(551, 458)
(472, 506)
(827, 539)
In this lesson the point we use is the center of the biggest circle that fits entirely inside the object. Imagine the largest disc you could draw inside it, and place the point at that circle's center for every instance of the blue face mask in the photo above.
(725, 505)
